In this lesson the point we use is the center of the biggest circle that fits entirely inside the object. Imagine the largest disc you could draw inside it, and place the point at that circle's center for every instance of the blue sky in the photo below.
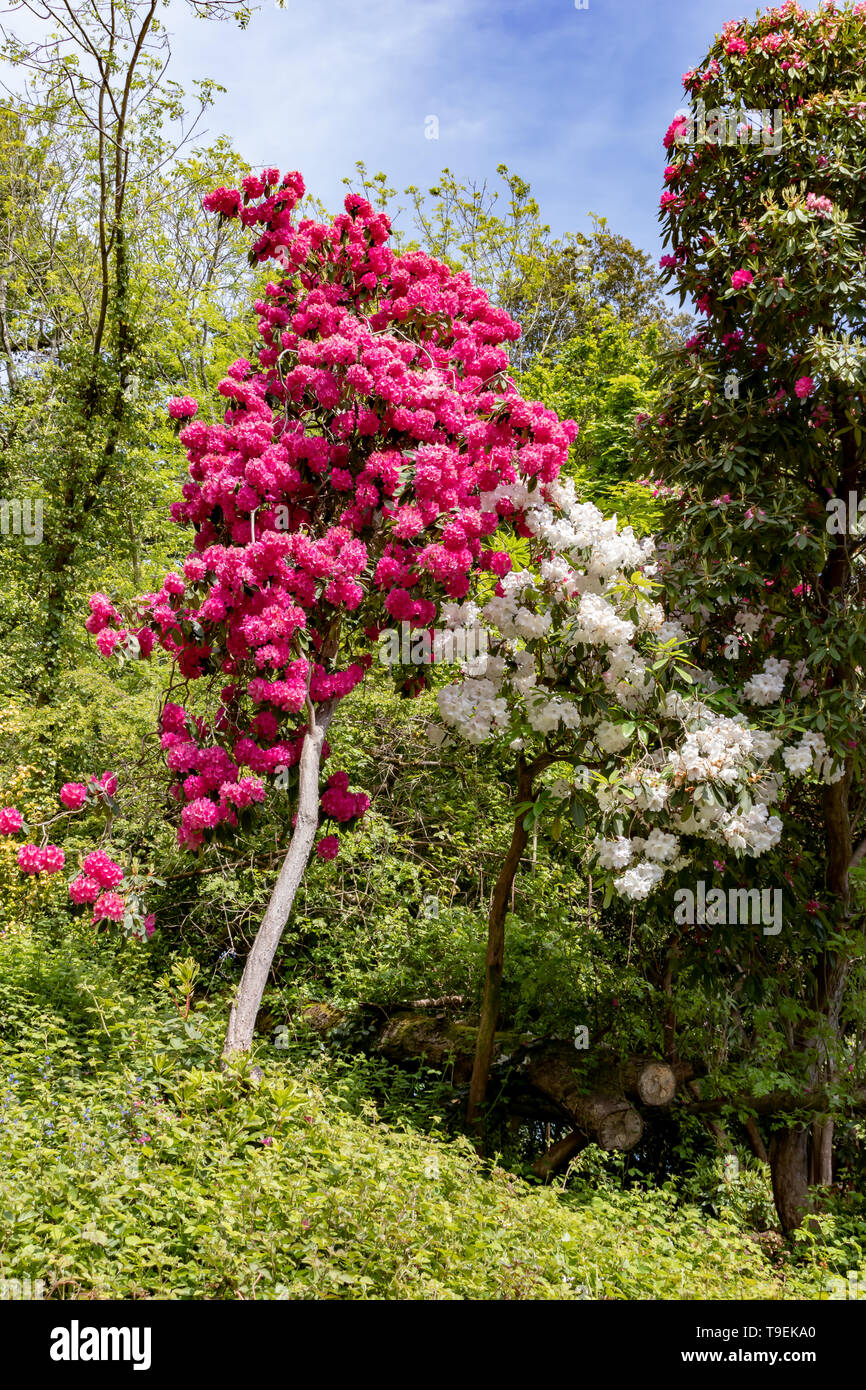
(576, 101)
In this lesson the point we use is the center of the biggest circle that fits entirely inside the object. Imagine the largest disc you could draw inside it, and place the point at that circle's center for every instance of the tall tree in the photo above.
(764, 211)
(109, 120)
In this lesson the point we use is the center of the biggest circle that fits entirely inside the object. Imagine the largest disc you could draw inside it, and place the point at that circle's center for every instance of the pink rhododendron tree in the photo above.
(350, 483)
(766, 238)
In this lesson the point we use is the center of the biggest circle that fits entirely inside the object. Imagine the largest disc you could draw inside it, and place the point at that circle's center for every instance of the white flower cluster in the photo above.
(560, 789)
(639, 882)
(810, 755)
(455, 615)
(592, 542)
(660, 851)
(670, 630)
(575, 605)
(545, 714)
(609, 737)
(598, 624)
(614, 854)
(767, 685)
(710, 751)
(718, 749)
(751, 832)
(747, 621)
(650, 791)
(659, 846)
(474, 708)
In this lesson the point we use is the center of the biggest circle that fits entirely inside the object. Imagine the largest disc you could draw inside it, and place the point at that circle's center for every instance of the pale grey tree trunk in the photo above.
(247, 1001)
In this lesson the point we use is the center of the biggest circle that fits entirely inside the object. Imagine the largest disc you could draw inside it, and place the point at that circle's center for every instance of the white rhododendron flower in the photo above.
(660, 846)
(638, 883)
(766, 687)
(610, 737)
(614, 854)
(754, 831)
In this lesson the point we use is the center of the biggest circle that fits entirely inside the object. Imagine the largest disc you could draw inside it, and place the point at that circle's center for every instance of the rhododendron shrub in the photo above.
(581, 660)
(769, 244)
(584, 672)
(100, 883)
(353, 482)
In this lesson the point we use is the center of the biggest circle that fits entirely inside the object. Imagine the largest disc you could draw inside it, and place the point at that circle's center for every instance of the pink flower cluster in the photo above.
(341, 805)
(182, 407)
(741, 278)
(103, 870)
(821, 206)
(100, 875)
(11, 820)
(84, 890)
(47, 860)
(352, 475)
(74, 794)
(210, 782)
(102, 614)
(109, 905)
(677, 127)
(95, 884)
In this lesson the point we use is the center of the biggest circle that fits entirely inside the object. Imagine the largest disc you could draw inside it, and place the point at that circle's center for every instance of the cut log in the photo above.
(603, 1114)
(435, 1038)
(445, 1001)
(651, 1081)
(323, 1018)
(611, 1121)
(608, 1119)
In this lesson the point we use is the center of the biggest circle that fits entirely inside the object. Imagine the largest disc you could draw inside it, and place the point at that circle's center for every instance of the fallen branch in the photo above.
(559, 1154)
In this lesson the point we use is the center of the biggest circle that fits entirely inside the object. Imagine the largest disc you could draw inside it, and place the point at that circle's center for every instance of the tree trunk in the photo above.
(832, 968)
(496, 951)
(245, 1008)
(821, 1154)
(789, 1167)
(603, 1114)
(4, 340)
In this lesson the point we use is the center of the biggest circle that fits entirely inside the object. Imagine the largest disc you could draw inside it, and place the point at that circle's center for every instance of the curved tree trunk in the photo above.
(496, 950)
(245, 1008)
